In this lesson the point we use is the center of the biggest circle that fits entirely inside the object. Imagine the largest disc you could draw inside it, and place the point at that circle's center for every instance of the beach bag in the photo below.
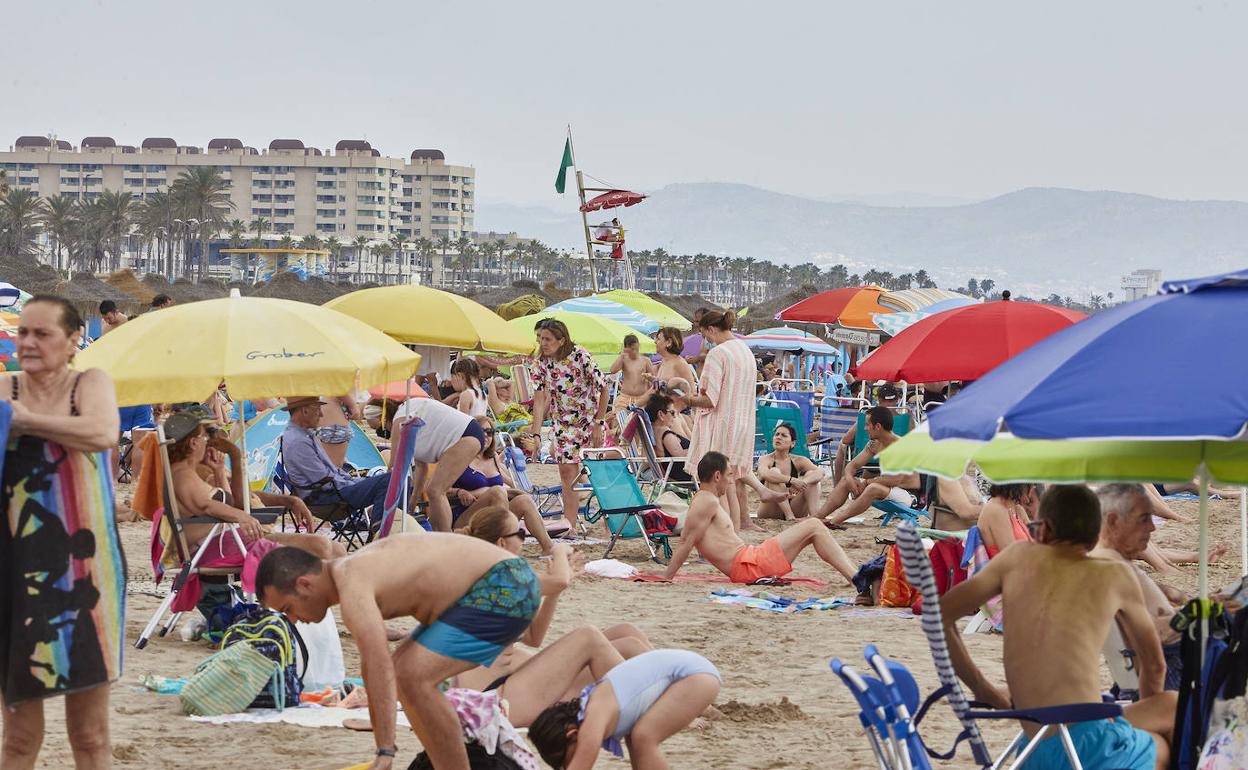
(895, 591)
(325, 667)
(947, 566)
(228, 682)
(274, 637)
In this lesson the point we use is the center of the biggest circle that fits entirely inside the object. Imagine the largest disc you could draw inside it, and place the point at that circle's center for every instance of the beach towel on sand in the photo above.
(763, 600)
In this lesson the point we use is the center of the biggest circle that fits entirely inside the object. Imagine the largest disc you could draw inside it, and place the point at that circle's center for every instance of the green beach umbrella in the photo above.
(1007, 459)
(649, 307)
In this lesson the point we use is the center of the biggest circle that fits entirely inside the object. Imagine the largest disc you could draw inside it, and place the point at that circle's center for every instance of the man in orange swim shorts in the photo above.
(709, 530)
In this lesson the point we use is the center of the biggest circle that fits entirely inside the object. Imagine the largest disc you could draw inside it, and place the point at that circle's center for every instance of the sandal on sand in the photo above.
(772, 581)
(863, 600)
(832, 526)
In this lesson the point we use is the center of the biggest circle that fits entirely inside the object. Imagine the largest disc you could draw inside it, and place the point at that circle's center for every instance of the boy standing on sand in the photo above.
(709, 529)
(635, 366)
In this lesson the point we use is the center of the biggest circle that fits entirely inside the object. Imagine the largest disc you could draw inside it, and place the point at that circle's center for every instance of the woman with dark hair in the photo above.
(723, 414)
(62, 573)
(668, 440)
(469, 397)
(1004, 518)
(572, 391)
(670, 343)
(796, 476)
(482, 485)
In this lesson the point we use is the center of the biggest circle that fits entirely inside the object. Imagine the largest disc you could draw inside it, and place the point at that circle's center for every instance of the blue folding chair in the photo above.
(875, 715)
(895, 510)
(770, 412)
(620, 503)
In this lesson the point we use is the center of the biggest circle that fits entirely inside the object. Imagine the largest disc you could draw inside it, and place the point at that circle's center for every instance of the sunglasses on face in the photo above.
(488, 431)
(518, 533)
(670, 411)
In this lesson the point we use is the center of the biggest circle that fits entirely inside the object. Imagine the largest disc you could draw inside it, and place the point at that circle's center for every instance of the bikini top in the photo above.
(73, 394)
(472, 479)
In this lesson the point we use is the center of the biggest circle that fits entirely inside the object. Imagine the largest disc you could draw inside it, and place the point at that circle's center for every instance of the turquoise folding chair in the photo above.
(770, 412)
(620, 503)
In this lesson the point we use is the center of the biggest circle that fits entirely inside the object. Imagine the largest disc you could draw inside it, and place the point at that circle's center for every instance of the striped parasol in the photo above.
(893, 323)
(910, 300)
(793, 340)
(613, 311)
(649, 307)
(8, 341)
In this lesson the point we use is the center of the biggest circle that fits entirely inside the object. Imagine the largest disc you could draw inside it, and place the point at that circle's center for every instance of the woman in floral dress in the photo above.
(572, 391)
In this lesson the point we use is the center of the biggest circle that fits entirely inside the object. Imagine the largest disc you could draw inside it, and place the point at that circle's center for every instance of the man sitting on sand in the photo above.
(708, 528)
(1054, 630)
(879, 423)
(471, 598)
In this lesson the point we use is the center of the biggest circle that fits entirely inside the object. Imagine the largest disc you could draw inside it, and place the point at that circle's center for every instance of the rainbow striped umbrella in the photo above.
(8, 341)
(793, 340)
(605, 308)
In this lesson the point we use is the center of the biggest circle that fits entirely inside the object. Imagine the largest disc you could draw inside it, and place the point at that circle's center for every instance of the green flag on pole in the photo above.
(564, 166)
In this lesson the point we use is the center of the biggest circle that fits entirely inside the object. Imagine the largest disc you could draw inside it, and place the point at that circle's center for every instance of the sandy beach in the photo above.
(783, 707)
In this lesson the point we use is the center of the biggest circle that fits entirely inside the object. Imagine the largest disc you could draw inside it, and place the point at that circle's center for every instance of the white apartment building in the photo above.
(350, 191)
(1140, 283)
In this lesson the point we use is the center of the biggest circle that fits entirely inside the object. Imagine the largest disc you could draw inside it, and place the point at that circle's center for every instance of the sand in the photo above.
(783, 708)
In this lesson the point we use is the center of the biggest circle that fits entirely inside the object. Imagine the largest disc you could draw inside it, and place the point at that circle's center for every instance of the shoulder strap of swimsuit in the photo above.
(73, 396)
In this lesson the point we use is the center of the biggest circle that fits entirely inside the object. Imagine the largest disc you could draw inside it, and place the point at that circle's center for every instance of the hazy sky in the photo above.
(944, 97)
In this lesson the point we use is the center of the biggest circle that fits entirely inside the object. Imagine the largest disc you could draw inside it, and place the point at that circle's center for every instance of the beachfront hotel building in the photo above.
(350, 191)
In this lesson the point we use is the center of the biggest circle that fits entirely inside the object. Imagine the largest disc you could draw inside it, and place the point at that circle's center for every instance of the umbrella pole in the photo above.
(1203, 588)
(407, 477)
(1243, 532)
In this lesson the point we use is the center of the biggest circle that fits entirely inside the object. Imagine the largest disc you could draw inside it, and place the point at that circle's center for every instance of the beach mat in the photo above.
(305, 715)
(762, 600)
(696, 578)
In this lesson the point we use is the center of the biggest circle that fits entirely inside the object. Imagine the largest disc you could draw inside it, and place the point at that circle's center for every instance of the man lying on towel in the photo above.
(709, 529)
(1054, 630)
(472, 600)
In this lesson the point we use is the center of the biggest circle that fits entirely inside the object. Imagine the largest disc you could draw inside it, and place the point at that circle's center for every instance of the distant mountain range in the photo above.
(1033, 240)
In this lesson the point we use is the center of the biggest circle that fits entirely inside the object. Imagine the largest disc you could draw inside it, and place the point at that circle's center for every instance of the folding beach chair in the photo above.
(188, 563)
(348, 525)
(650, 467)
(834, 420)
(1120, 660)
(1051, 719)
(770, 412)
(895, 510)
(522, 376)
(875, 715)
(901, 426)
(548, 500)
(621, 504)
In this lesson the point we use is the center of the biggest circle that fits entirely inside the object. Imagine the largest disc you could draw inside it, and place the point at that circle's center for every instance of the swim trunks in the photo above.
(136, 418)
(492, 615)
(758, 561)
(1101, 745)
(334, 434)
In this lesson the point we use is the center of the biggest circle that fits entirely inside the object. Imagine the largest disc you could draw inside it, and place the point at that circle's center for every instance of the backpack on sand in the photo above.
(274, 637)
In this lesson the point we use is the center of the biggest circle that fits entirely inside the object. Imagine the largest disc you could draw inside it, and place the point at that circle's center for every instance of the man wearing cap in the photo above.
(316, 478)
(879, 425)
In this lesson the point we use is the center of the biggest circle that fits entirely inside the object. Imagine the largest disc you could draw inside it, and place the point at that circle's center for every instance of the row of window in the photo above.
(273, 198)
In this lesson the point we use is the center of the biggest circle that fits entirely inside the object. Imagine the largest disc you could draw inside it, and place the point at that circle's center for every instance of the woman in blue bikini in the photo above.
(642, 701)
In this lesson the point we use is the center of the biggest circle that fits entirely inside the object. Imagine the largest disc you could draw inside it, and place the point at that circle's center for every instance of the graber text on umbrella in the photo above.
(284, 353)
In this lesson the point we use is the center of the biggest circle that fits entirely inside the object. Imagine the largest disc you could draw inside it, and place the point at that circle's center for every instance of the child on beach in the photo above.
(634, 384)
(642, 701)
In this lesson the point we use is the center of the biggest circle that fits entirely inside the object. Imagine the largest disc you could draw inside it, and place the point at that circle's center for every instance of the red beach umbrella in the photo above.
(613, 199)
(966, 342)
(851, 307)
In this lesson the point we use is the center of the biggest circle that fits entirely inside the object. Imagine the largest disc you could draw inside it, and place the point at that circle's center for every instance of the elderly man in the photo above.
(1125, 532)
(316, 478)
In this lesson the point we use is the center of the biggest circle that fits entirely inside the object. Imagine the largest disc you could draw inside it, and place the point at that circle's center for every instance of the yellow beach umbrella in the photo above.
(649, 307)
(419, 315)
(259, 347)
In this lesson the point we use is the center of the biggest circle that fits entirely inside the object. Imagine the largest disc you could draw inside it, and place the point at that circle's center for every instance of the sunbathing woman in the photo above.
(642, 701)
(669, 438)
(483, 485)
(196, 497)
(1004, 518)
(792, 474)
(499, 526)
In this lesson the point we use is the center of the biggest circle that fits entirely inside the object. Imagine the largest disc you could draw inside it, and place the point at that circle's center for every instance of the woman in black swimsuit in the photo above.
(786, 472)
(667, 441)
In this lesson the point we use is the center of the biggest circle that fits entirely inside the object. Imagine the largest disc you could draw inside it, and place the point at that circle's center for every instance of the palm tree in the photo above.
(4, 184)
(59, 219)
(383, 251)
(20, 214)
(258, 226)
(203, 195)
(114, 214)
(444, 243)
(1096, 301)
(334, 247)
(985, 286)
(361, 247)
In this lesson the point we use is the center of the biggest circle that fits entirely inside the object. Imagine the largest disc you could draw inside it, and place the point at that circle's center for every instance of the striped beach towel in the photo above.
(62, 573)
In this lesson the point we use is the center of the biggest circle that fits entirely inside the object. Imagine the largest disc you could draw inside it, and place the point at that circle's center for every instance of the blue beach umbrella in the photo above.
(605, 308)
(1164, 368)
